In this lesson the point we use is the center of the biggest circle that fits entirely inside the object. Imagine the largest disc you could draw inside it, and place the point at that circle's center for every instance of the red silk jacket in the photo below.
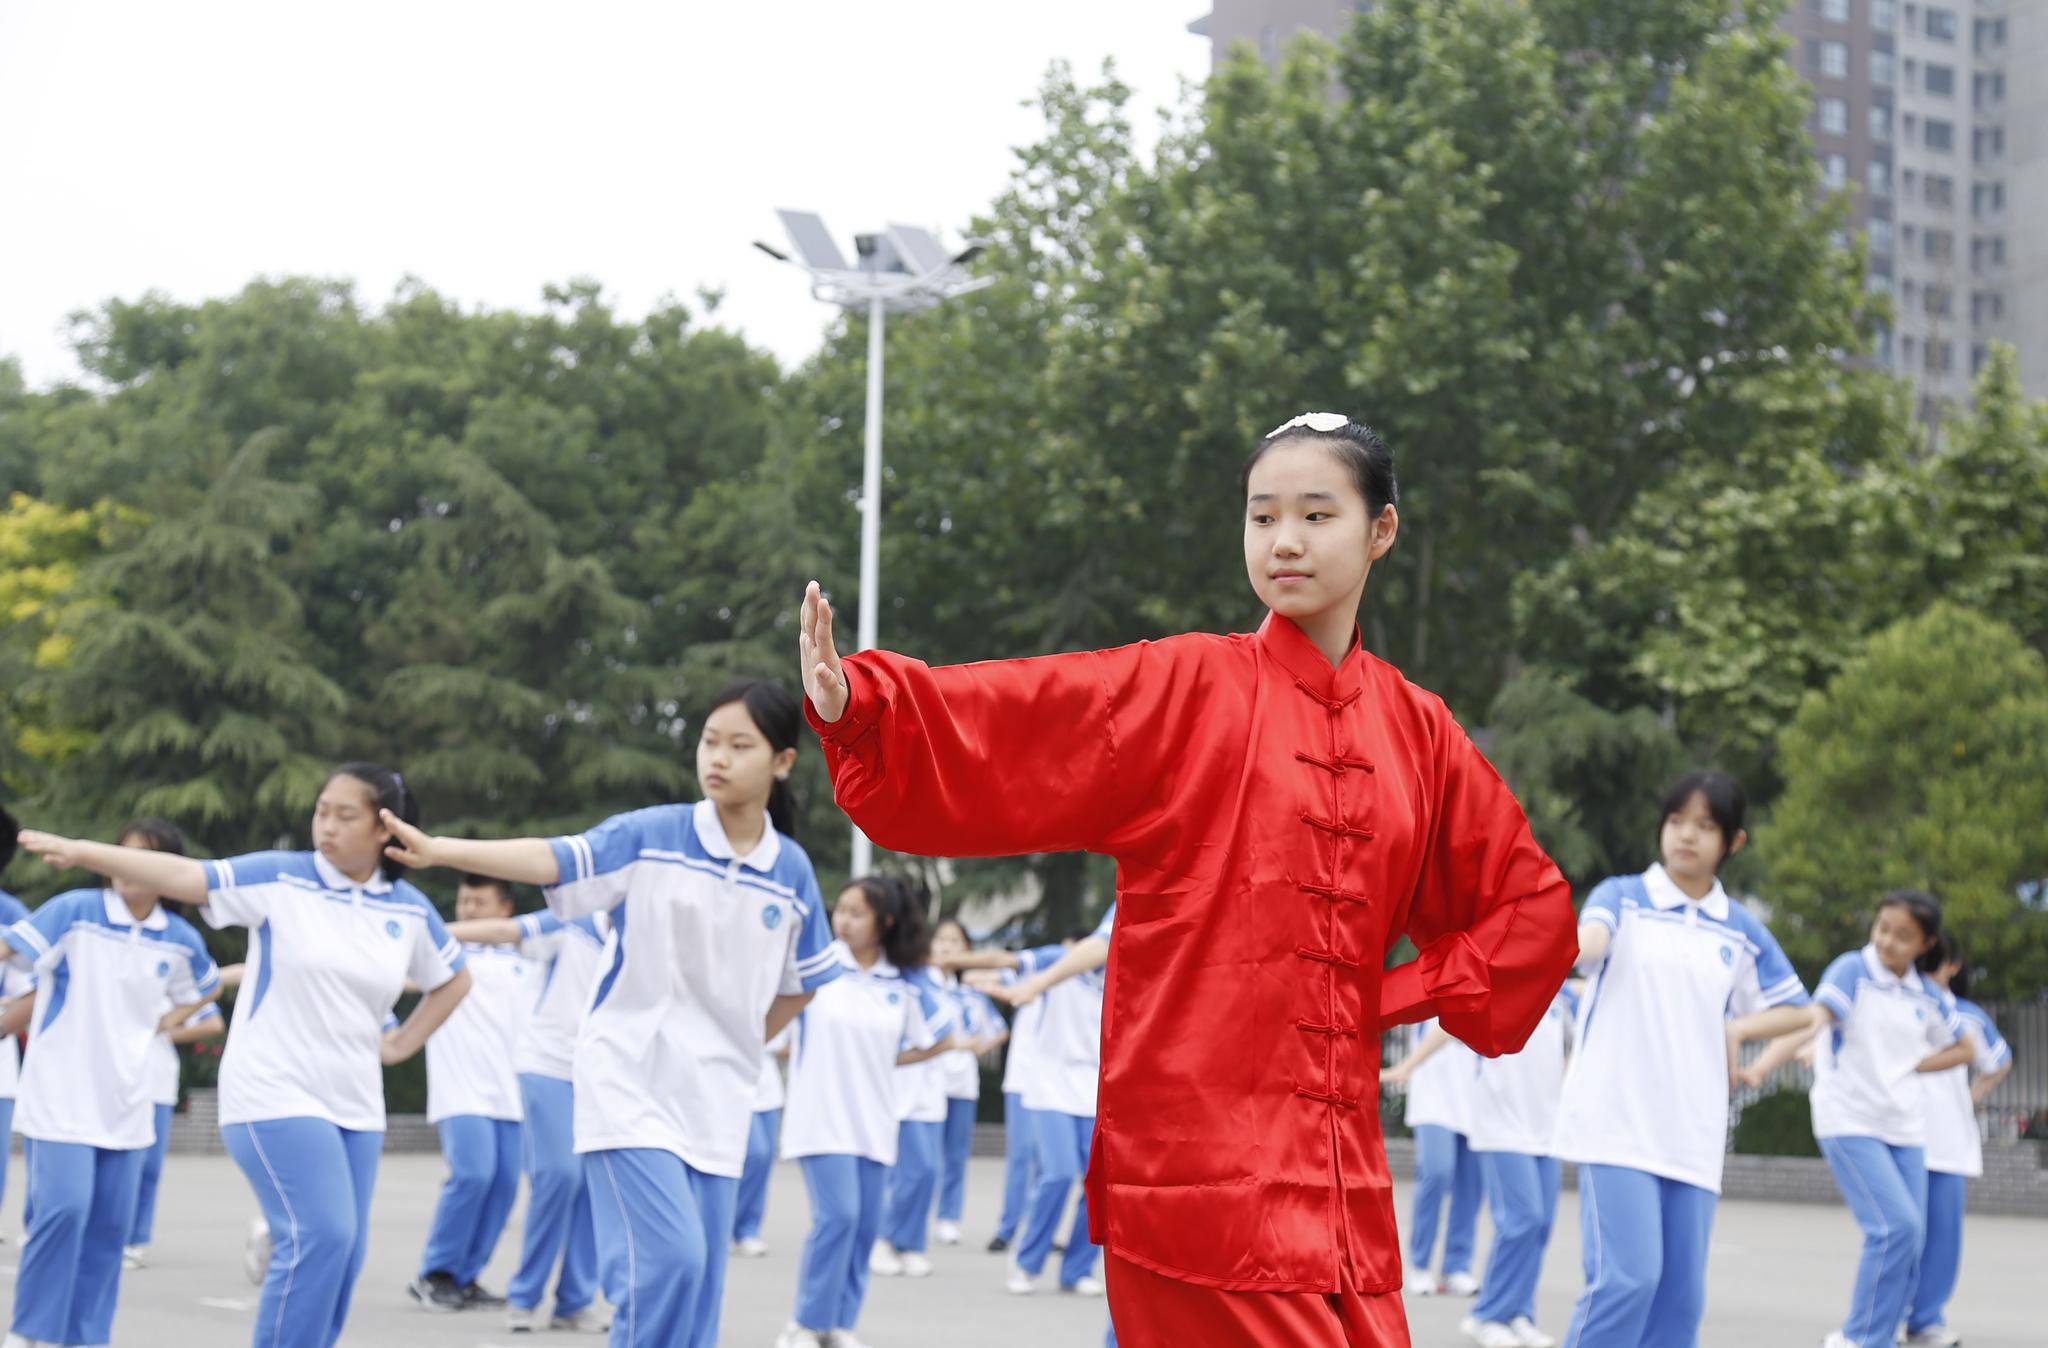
(1278, 824)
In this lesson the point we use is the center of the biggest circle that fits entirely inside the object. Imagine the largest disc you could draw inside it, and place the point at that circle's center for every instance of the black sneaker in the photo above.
(474, 1295)
(998, 1245)
(436, 1291)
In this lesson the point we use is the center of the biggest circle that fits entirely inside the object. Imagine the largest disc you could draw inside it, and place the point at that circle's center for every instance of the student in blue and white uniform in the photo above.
(718, 940)
(840, 1121)
(15, 986)
(921, 1113)
(1882, 1027)
(1955, 1147)
(1061, 1098)
(1682, 975)
(165, 1070)
(1019, 1173)
(752, 1206)
(1509, 1127)
(977, 1020)
(1439, 1075)
(569, 956)
(334, 936)
(474, 1102)
(106, 961)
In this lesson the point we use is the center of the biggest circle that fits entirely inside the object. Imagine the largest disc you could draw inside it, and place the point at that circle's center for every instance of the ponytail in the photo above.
(779, 717)
(389, 791)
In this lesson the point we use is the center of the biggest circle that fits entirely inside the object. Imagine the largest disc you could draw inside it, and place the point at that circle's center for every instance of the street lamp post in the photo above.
(901, 270)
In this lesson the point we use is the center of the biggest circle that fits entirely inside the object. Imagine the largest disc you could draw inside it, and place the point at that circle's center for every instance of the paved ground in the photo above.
(1781, 1273)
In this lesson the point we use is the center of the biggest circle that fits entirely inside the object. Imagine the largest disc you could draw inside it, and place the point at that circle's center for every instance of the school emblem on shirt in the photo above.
(771, 917)
(894, 998)
(163, 968)
(1727, 954)
(391, 928)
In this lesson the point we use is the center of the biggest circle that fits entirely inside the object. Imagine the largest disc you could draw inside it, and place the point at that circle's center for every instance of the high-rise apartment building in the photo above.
(1923, 114)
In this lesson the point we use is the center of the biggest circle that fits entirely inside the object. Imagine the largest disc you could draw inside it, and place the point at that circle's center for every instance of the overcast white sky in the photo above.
(492, 148)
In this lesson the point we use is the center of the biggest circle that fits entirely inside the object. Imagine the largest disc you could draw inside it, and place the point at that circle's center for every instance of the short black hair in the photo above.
(1357, 446)
(161, 835)
(8, 843)
(472, 880)
(1725, 802)
(1947, 950)
(1921, 906)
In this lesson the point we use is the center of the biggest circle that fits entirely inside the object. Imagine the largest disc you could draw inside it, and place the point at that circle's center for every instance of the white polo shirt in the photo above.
(470, 1066)
(571, 955)
(976, 1017)
(843, 1090)
(768, 1091)
(163, 1056)
(1955, 1146)
(103, 979)
(1067, 1038)
(1514, 1097)
(1647, 1086)
(327, 961)
(1020, 1055)
(13, 983)
(703, 941)
(921, 1087)
(1864, 1082)
(1440, 1090)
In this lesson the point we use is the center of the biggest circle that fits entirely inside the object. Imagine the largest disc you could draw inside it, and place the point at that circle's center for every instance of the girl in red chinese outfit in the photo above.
(1283, 808)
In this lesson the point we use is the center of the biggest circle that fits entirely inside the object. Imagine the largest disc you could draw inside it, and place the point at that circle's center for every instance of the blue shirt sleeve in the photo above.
(43, 930)
(814, 959)
(1777, 981)
(1837, 990)
(436, 956)
(1993, 1051)
(1603, 905)
(239, 889)
(202, 975)
(1041, 957)
(596, 867)
(938, 1016)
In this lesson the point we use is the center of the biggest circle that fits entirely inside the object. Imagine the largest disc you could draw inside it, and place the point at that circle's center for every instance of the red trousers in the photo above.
(1154, 1311)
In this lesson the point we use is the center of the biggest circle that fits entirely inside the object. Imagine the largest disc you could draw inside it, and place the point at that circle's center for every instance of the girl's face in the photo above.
(1899, 938)
(130, 893)
(854, 921)
(1691, 842)
(736, 765)
(949, 940)
(1309, 538)
(346, 829)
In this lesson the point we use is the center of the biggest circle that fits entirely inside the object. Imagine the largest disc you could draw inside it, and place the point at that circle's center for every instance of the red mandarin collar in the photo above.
(1290, 647)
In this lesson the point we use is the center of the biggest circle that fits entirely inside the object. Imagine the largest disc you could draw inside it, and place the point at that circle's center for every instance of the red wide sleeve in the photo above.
(1009, 756)
(1491, 914)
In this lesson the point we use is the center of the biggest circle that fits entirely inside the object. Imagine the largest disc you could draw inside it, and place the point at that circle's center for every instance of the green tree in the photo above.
(1924, 762)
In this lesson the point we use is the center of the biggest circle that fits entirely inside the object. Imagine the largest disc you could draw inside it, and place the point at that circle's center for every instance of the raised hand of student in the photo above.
(410, 845)
(54, 849)
(824, 676)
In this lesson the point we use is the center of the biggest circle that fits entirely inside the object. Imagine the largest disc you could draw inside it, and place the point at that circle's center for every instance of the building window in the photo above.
(1269, 44)
(1883, 68)
(1980, 356)
(1880, 121)
(1941, 135)
(1834, 60)
(1835, 170)
(1884, 13)
(1941, 191)
(1987, 143)
(1938, 301)
(1941, 24)
(1941, 356)
(1881, 177)
(1880, 236)
(1834, 116)
(1908, 349)
(1941, 80)
(1835, 11)
(1910, 292)
(1883, 346)
(1939, 245)
(1908, 237)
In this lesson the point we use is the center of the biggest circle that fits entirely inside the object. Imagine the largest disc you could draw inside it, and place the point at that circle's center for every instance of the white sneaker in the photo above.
(842, 1338)
(1420, 1282)
(1528, 1335)
(256, 1250)
(1490, 1333)
(794, 1335)
(522, 1319)
(946, 1233)
(135, 1256)
(1019, 1283)
(884, 1262)
(1462, 1285)
(753, 1247)
(915, 1265)
(1084, 1287)
(1837, 1339)
(1934, 1336)
(589, 1320)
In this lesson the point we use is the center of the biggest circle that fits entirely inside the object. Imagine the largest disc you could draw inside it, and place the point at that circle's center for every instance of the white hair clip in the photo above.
(1320, 422)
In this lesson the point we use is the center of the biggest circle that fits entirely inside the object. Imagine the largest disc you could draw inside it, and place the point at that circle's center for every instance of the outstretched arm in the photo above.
(180, 879)
(1086, 956)
(487, 931)
(527, 861)
(1432, 1044)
